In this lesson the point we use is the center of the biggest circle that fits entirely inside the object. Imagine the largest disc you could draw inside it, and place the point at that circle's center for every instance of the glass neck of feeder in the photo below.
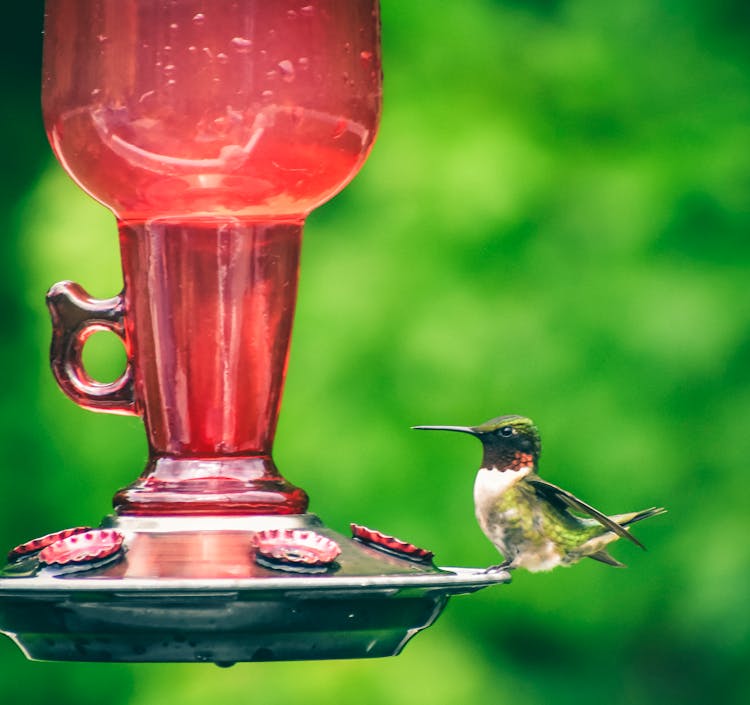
(209, 309)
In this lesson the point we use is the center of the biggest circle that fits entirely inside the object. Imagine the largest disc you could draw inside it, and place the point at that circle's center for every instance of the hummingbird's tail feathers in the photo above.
(633, 517)
(604, 557)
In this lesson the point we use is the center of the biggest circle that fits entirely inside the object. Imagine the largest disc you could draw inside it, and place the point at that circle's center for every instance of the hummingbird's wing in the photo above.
(565, 501)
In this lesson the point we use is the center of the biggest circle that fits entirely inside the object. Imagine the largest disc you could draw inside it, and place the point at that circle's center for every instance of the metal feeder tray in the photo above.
(189, 589)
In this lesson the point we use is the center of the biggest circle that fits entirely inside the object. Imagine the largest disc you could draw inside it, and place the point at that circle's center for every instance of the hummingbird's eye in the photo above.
(507, 431)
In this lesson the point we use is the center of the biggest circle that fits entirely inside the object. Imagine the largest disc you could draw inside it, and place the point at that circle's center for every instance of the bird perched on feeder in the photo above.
(533, 523)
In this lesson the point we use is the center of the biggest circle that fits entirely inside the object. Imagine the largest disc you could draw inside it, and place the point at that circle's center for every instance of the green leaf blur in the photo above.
(555, 221)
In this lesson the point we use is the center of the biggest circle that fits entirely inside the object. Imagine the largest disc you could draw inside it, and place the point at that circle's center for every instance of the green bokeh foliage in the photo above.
(555, 221)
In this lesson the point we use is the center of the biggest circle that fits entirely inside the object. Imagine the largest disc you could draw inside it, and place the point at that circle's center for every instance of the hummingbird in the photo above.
(534, 524)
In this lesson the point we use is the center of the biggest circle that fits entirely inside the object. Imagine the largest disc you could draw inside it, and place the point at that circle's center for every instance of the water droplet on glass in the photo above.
(287, 70)
(102, 37)
(347, 47)
(169, 68)
(222, 58)
(199, 18)
(365, 55)
(303, 62)
(266, 95)
(291, 14)
(241, 45)
(171, 82)
(96, 92)
(307, 11)
(192, 49)
(167, 48)
(208, 52)
(174, 25)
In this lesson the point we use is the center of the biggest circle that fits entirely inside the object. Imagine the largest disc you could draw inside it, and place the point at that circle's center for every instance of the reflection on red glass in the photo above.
(209, 314)
(249, 107)
(210, 129)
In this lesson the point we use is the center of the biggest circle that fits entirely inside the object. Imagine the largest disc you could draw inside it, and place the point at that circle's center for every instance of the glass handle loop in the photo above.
(75, 317)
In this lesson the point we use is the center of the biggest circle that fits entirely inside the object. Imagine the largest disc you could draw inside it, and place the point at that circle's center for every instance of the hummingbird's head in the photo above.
(510, 442)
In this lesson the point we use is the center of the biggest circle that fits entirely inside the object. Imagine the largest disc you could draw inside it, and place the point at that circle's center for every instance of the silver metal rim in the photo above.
(457, 579)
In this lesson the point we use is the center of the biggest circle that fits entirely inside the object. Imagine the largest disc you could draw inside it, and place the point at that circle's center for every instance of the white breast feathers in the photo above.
(490, 484)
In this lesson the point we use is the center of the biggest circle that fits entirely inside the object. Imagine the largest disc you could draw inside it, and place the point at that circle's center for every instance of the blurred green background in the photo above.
(555, 221)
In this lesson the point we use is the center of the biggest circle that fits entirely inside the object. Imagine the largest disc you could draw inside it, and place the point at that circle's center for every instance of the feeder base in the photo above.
(370, 604)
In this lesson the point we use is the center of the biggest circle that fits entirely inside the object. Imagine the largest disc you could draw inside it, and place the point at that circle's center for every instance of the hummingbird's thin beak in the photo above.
(461, 429)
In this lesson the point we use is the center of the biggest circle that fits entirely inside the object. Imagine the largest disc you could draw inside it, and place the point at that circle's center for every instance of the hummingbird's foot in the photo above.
(505, 565)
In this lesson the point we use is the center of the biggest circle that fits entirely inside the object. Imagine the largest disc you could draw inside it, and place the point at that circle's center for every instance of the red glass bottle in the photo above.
(210, 130)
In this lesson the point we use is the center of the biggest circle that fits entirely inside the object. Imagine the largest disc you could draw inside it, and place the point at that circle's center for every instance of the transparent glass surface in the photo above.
(210, 130)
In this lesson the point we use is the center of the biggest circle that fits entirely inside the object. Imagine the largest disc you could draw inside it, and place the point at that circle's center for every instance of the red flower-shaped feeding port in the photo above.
(295, 550)
(82, 549)
(26, 549)
(390, 544)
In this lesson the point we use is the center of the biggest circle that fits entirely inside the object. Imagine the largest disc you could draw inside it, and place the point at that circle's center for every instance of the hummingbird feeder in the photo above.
(210, 130)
